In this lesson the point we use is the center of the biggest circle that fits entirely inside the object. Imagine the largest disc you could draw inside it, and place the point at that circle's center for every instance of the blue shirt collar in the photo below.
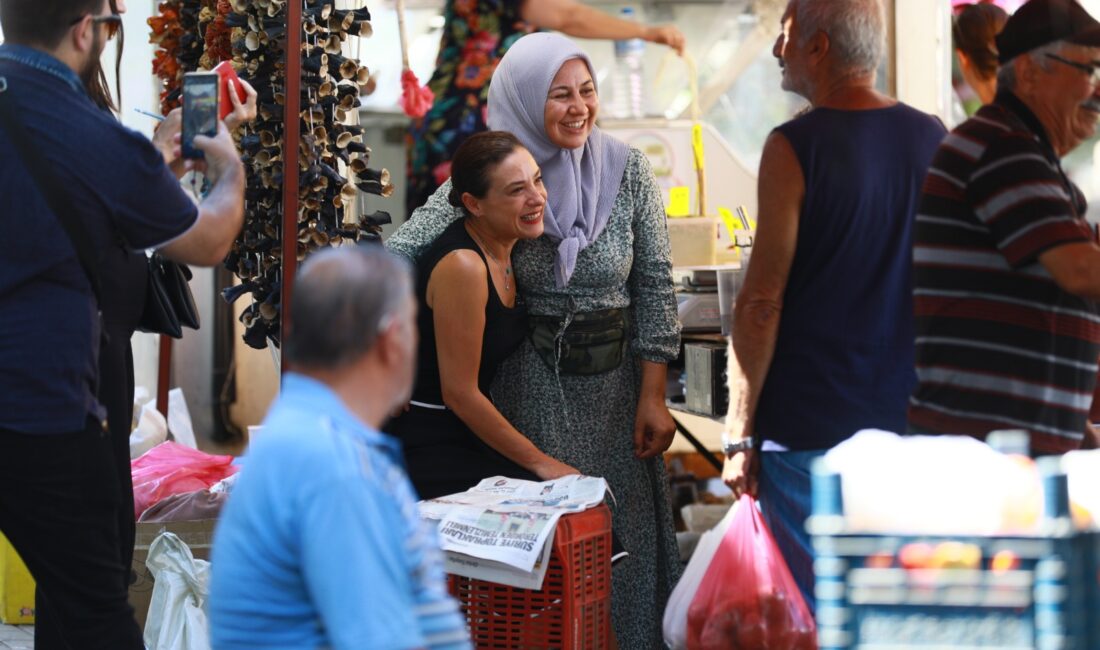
(300, 391)
(42, 61)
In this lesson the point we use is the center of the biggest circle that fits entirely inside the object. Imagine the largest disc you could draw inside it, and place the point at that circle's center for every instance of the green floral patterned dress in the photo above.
(588, 421)
(475, 35)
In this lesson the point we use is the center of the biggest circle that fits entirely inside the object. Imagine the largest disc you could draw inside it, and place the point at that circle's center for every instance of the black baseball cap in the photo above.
(1039, 22)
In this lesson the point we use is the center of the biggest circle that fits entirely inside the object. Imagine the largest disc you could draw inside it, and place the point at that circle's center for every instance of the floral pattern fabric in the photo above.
(475, 35)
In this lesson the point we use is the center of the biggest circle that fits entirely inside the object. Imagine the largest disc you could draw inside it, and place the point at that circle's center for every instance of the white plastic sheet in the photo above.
(177, 620)
(151, 430)
(934, 485)
(179, 419)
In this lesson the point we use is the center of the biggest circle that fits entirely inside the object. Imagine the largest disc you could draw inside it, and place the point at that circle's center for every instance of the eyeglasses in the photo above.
(113, 22)
(1090, 70)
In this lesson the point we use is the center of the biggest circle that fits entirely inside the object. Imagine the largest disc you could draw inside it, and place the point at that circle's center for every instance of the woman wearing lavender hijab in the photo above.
(587, 386)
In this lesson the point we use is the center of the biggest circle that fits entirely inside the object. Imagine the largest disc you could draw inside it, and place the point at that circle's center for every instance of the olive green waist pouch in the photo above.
(591, 344)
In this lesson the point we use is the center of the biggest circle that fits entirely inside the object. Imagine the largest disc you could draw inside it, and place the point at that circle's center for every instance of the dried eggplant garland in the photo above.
(332, 157)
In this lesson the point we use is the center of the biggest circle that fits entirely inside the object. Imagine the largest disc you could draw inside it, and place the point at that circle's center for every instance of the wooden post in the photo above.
(291, 135)
(164, 373)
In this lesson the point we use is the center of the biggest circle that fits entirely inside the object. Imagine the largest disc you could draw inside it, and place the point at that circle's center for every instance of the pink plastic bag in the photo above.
(748, 599)
(170, 468)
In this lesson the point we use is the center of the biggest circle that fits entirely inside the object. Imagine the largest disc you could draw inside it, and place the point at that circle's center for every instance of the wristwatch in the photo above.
(731, 447)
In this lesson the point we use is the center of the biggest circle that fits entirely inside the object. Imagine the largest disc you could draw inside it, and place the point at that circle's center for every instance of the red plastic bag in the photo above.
(748, 599)
(170, 468)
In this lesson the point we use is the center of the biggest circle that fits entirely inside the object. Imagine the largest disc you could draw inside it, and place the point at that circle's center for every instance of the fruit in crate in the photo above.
(956, 555)
(916, 555)
(1003, 561)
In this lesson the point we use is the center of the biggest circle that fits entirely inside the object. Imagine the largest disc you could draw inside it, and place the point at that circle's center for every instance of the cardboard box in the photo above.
(699, 517)
(198, 535)
(16, 587)
(693, 240)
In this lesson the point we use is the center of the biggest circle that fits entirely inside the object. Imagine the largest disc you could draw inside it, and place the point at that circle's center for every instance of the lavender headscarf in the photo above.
(582, 183)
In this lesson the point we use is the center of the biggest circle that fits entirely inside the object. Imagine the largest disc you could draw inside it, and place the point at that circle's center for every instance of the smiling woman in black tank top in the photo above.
(470, 320)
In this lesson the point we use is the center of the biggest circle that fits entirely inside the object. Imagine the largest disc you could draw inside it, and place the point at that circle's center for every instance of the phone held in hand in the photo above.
(200, 110)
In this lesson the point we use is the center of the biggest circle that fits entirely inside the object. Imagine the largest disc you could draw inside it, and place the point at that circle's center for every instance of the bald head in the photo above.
(343, 297)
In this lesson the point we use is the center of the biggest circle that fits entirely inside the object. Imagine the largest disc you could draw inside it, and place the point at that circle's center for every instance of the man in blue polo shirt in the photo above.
(59, 494)
(321, 545)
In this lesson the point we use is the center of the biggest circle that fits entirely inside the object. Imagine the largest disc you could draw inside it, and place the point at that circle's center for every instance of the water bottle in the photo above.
(627, 80)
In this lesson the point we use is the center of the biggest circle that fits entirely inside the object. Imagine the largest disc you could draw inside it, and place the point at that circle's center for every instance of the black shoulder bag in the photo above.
(169, 304)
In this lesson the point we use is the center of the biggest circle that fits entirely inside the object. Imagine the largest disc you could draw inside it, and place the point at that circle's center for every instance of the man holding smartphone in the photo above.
(59, 500)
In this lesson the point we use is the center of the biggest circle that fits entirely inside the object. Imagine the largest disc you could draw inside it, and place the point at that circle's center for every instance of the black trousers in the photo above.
(60, 508)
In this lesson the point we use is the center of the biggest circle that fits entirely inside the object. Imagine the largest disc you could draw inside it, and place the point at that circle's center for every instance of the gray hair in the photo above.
(343, 298)
(1006, 75)
(856, 30)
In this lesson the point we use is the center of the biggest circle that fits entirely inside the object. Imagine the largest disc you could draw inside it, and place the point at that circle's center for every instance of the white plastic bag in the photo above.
(179, 419)
(177, 620)
(151, 430)
(935, 485)
(675, 623)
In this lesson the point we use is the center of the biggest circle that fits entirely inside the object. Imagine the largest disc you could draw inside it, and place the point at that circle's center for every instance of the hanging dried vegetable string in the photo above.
(165, 34)
(331, 148)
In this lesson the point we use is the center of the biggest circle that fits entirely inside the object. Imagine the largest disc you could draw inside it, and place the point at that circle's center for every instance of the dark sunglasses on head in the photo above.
(113, 22)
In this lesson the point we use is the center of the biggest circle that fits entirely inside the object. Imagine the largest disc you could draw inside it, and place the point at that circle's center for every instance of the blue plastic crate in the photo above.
(866, 600)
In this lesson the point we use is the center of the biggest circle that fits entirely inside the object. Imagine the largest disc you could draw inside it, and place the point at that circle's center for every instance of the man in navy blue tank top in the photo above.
(823, 327)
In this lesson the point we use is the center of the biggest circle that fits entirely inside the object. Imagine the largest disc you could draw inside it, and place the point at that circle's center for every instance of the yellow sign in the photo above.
(729, 220)
(697, 144)
(679, 201)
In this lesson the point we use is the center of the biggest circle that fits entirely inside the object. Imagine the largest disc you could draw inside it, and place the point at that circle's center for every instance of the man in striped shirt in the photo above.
(1007, 271)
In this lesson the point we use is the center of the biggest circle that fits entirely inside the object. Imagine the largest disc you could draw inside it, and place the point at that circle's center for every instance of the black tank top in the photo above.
(504, 327)
(442, 454)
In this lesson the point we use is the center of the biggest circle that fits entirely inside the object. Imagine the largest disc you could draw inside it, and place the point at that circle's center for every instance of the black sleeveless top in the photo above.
(504, 327)
(442, 454)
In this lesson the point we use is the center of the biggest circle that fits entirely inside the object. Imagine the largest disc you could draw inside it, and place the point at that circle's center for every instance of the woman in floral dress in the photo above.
(475, 36)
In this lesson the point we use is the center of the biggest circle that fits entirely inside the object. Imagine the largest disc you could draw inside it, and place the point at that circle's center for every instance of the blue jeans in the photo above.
(784, 495)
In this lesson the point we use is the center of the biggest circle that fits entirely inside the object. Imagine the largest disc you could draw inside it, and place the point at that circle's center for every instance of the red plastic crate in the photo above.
(570, 612)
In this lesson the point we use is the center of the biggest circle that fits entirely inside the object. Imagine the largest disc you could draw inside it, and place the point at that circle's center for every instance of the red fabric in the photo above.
(170, 469)
(415, 99)
(748, 598)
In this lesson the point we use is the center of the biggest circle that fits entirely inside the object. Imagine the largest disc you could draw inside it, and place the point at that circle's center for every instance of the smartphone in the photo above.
(226, 72)
(200, 110)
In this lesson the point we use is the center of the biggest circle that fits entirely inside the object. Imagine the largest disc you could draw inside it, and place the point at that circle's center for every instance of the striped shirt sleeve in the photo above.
(1024, 200)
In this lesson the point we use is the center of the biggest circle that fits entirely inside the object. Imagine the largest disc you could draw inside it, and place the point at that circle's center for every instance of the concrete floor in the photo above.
(16, 637)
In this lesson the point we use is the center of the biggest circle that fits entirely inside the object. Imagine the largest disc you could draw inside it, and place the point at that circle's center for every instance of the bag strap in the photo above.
(50, 187)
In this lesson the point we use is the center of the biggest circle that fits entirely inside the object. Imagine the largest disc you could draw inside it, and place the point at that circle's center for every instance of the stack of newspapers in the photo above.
(502, 529)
